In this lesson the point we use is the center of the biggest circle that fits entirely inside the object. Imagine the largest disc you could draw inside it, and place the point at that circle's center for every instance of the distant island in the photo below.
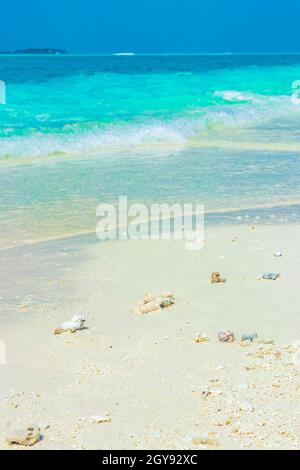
(40, 51)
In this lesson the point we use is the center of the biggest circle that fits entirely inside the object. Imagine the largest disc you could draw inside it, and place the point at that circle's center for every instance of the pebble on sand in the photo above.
(215, 278)
(202, 338)
(205, 441)
(266, 341)
(24, 437)
(96, 419)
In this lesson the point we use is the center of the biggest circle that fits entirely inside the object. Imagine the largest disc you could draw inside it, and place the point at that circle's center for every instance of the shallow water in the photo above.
(77, 131)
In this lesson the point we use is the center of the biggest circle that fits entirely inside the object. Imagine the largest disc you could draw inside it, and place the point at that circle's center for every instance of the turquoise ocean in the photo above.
(221, 130)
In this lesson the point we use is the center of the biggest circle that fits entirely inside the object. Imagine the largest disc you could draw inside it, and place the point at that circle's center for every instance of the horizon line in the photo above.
(132, 53)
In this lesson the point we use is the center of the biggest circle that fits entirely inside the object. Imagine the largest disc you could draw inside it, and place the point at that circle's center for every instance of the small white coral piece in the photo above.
(75, 324)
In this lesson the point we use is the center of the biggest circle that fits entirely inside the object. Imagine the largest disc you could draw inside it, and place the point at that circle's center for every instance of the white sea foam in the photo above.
(256, 109)
(124, 53)
(113, 137)
(233, 95)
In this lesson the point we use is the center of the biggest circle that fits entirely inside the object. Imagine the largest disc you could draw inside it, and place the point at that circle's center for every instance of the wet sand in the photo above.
(159, 387)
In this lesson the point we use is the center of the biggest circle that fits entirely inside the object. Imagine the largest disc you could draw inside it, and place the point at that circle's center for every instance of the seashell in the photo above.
(270, 276)
(215, 278)
(226, 336)
(249, 337)
(166, 302)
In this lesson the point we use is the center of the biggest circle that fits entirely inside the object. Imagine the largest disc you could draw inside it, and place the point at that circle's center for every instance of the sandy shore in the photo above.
(160, 388)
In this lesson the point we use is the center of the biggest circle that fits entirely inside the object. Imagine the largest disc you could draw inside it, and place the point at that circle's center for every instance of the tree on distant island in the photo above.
(47, 51)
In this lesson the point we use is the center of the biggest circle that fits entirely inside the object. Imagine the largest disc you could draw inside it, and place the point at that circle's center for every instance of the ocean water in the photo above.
(222, 130)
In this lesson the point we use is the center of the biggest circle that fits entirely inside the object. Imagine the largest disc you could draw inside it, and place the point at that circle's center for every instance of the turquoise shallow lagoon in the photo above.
(76, 131)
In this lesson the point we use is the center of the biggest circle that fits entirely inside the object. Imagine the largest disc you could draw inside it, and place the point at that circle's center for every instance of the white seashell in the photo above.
(75, 324)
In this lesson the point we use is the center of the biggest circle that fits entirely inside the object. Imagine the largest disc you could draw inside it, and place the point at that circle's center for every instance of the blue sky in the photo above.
(106, 26)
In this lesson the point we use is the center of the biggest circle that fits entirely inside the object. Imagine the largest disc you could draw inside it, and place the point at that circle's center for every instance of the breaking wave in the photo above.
(242, 110)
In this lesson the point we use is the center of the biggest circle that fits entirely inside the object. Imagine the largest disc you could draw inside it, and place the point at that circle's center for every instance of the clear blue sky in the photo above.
(152, 25)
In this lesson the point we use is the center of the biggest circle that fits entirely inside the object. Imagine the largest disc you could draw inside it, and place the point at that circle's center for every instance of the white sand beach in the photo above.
(159, 388)
(119, 122)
